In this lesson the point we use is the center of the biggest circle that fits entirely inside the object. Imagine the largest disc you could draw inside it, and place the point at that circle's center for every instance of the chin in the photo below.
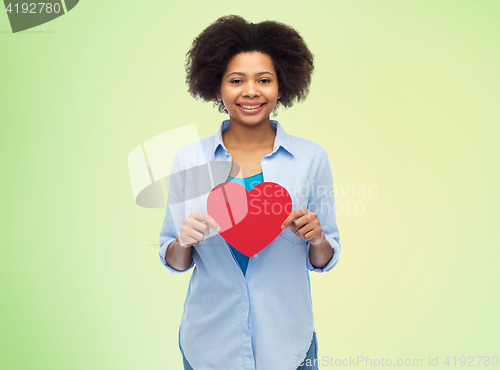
(251, 122)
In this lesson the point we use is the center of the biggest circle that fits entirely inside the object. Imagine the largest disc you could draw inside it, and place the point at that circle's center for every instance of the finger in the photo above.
(315, 235)
(308, 219)
(198, 226)
(288, 220)
(301, 221)
(193, 241)
(188, 230)
(210, 221)
(291, 217)
(191, 234)
(306, 229)
(201, 227)
(195, 215)
(184, 241)
(196, 235)
(296, 232)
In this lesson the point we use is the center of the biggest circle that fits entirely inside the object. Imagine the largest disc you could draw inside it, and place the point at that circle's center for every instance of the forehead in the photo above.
(250, 62)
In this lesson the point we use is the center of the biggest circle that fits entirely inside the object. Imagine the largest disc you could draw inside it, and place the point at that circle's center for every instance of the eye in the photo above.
(236, 81)
(265, 80)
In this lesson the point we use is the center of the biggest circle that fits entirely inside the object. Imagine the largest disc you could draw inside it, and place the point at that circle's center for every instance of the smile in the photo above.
(251, 109)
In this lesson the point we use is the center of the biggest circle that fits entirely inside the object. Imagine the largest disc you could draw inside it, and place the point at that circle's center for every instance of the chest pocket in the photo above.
(289, 235)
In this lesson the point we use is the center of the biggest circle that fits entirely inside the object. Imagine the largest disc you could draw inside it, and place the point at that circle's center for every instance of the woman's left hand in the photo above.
(305, 225)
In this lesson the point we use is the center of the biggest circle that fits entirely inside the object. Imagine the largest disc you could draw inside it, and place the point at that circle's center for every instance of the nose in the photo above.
(251, 90)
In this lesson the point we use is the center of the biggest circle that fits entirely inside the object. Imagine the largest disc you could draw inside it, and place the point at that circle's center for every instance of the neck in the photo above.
(249, 137)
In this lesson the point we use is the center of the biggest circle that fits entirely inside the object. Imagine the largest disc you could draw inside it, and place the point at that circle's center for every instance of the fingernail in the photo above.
(282, 227)
(218, 228)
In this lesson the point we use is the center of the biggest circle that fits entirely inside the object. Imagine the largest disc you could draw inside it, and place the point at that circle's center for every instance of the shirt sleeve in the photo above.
(174, 213)
(321, 202)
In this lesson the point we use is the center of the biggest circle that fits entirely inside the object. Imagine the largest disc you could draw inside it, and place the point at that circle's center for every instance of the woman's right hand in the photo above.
(194, 229)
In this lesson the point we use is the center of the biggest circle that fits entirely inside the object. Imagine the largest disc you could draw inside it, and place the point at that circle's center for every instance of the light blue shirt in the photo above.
(262, 320)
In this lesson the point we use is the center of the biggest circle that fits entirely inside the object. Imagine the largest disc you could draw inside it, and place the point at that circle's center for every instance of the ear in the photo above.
(279, 94)
(219, 96)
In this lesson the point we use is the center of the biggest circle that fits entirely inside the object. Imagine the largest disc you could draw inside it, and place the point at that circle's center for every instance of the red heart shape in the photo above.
(249, 221)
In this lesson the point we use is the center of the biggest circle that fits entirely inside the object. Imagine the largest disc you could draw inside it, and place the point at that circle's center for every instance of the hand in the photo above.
(194, 229)
(305, 225)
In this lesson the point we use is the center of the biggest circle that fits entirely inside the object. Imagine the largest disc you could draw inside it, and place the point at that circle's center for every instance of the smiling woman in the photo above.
(258, 307)
(211, 51)
(249, 89)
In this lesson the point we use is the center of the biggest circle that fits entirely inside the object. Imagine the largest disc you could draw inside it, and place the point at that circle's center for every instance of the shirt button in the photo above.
(255, 256)
(264, 163)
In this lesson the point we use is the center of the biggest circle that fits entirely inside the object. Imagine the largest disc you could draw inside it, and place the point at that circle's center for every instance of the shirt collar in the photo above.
(282, 139)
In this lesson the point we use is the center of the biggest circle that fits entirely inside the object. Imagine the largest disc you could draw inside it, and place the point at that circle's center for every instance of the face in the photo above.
(249, 88)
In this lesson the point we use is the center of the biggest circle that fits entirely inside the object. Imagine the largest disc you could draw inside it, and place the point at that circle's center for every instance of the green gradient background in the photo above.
(405, 96)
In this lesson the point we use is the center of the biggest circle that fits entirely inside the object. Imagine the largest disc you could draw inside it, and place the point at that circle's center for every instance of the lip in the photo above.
(251, 111)
(251, 103)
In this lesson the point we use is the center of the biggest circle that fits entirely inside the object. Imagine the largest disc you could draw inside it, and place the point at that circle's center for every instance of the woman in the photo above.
(241, 312)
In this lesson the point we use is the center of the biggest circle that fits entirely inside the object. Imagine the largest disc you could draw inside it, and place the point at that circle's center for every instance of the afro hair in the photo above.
(211, 51)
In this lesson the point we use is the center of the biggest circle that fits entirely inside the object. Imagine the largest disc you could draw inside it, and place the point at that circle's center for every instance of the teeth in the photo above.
(250, 106)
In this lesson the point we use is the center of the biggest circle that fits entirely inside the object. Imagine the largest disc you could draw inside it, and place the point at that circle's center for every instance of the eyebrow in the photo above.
(242, 74)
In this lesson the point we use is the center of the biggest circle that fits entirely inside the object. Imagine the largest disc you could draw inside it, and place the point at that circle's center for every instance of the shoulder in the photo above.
(310, 155)
(195, 153)
(307, 147)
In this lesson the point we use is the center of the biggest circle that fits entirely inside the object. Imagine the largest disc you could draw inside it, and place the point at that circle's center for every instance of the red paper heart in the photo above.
(249, 221)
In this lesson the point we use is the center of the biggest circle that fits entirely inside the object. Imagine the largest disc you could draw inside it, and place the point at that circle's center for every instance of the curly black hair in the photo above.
(230, 35)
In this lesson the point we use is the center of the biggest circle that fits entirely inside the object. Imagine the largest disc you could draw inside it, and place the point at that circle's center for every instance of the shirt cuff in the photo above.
(163, 250)
(333, 261)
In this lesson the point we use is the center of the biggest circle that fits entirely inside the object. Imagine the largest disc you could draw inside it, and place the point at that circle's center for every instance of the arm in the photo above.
(322, 202)
(320, 254)
(179, 233)
(319, 228)
(306, 225)
(177, 256)
(194, 229)
(170, 250)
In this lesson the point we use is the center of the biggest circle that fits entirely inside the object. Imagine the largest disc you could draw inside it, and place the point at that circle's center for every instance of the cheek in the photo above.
(230, 96)
(275, 94)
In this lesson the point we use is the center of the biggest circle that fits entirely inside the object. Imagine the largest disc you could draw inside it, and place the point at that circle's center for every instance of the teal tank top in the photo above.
(248, 183)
